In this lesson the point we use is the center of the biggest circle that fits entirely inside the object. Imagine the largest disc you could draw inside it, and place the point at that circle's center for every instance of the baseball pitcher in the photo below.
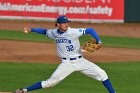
(69, 50)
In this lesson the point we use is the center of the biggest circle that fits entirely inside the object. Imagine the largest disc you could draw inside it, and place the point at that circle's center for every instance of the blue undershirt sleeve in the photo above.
(39, 30)
(93, 33)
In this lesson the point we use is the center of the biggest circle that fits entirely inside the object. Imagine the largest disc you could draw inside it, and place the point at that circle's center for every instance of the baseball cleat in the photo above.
(19, 91)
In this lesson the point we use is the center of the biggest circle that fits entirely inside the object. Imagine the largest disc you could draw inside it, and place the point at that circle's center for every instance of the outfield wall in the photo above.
(132, 12)
(76, 10)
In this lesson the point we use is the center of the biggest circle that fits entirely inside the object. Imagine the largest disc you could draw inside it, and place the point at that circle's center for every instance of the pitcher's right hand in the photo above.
(26, 30)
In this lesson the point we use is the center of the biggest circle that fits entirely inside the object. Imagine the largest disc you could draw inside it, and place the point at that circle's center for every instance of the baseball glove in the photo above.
(91, 45)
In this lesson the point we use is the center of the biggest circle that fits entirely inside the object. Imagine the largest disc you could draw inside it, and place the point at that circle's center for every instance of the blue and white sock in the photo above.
(34, 87)
(108, 85)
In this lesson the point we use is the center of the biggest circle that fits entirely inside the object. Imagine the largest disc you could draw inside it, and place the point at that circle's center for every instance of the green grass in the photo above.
(19, 35)
(125, 42)
(124, 77)
(110, 41)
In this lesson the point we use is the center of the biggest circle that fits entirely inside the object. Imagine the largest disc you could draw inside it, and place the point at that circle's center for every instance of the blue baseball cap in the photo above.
(62, 19)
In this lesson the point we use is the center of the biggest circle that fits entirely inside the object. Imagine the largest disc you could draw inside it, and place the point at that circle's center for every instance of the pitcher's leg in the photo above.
(92, 70)
(63, 70)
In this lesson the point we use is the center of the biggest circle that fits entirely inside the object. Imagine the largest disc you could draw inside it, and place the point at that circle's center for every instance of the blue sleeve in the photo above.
(39, 30)
(93, 33)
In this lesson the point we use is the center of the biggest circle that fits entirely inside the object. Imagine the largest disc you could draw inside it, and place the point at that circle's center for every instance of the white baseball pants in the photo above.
(69, 66)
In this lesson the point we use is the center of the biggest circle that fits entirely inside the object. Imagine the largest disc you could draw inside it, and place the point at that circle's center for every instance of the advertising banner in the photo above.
(77, 10)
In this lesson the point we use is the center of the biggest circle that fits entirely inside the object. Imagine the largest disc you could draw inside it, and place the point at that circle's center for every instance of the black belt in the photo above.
(72, 58)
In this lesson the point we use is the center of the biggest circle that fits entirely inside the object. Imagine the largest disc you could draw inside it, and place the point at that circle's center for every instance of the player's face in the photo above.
(63, 26)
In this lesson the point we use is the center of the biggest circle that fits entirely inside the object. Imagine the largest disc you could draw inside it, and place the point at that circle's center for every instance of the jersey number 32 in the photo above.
(70, 48)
